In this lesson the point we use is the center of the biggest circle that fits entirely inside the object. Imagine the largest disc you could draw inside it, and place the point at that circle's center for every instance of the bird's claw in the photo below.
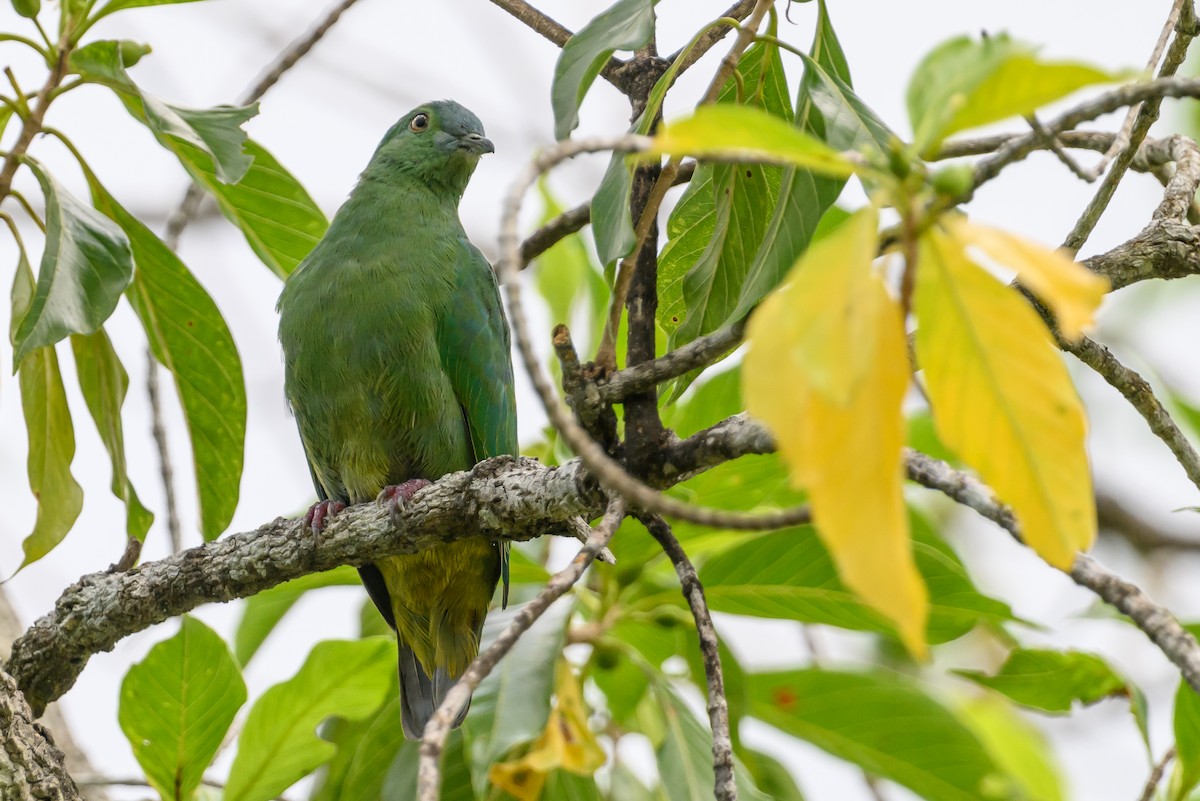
(319, 514)
(396, 496)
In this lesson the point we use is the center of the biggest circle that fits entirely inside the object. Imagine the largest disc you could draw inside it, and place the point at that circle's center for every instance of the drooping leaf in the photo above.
(627, 25)
(827, 371)
(103, 383)
(1002, 398)
(278, 745)
(189, 337)
(1187, 741)
(1053, 680)
(512, 704)
(743, 133)
(176, 706)
(1018, 748)
(50, 433)
(965, 83)
(86, 265)
(612, 227)
(685, 754)
(1072, 291)
(262, 612)
(882, 722)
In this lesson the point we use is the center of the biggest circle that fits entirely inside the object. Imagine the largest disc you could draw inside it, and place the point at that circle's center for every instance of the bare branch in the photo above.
(1114, 516)
(1156, 775)
(725, 789)
(698, 353)
(1155, 621)
(429, 778)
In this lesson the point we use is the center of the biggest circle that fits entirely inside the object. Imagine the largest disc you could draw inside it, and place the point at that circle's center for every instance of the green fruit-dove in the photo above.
(397, 367)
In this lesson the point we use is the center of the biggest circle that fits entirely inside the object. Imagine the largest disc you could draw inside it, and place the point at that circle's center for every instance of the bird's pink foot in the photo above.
(319, 514)
(395, 496)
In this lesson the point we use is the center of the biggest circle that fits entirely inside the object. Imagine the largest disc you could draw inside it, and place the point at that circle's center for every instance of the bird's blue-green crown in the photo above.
(438, 143)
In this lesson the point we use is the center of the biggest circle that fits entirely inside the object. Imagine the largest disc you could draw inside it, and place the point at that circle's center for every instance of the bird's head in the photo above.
(437, 143)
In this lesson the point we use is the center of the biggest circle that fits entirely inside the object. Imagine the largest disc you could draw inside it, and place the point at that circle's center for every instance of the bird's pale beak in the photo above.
(477, 144)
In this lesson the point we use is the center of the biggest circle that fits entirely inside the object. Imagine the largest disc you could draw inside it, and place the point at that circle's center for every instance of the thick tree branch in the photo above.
(31, 766)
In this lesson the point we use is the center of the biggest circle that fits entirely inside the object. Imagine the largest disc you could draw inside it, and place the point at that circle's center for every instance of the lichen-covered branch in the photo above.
(31, 766)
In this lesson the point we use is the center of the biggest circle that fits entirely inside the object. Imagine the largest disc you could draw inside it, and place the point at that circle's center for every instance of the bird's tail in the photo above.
(421, 694)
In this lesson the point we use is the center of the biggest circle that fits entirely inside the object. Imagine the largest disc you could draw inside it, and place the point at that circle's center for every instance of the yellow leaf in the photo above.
(565, 743)
(1072, 291)
(826, 370)
(1002, 398)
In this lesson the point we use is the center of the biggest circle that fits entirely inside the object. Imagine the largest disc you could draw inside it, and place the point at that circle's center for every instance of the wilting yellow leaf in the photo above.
(1002, 398)
(565, 743)
(1069, 289)
(827, 370)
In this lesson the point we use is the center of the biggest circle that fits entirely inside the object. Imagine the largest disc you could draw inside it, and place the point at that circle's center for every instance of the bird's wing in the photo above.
(474, 347)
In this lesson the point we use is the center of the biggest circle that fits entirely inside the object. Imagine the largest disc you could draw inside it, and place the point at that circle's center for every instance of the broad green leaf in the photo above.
(719, 223)
(1002, 398)
(50, 433)
(627, 25)
(86, 265)
(685, 754)
(365, 749)
(842, 119)
(1072, 291)
(621, 676)
(626, 786)
(195, 136)
(278, 217)
(885, 724)
(176, 706)
(103, 383)
(964, 83)
(262, 612)
(1018, 748)
(568, 281)
(827, 370)
(771, 776)
(788, 575)
(401, 781)
(804, 197)
(1053, 680)
(562, 785)
(743, 133)
(1187, 741)
(612, 227)
(278, 745)
(189, 337)
(512, 704)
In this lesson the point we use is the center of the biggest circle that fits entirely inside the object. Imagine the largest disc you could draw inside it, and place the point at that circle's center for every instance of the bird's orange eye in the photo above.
(419, 123)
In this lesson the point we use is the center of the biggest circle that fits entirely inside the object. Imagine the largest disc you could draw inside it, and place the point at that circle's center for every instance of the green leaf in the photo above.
(882, 722)
(627, 25)
(743, 133)
(401, 782)
(364, 750)
(113, 6)
(189, 337)
(50, 433)
(1187, 741)
(1018, 747)
(718, 224)
(278, 217)
(512, 704)
(262, 612)
(278, 745)
(103, 382)
(200, 138)
(771, 776)
(964, 83)
(177, 704)
(611, 225)
(789, 575)
(86, 265)
(562, 785)
(1053, 680)
(685, 754)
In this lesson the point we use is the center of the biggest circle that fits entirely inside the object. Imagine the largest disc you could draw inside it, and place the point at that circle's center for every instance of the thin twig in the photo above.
(159, 432)
(1156, 775)
(608, 472)
(1145, 118)
(738, 11)
(551, 30)
(1155, 621)
(725, 789)
(1056, 147)
(429, 778)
